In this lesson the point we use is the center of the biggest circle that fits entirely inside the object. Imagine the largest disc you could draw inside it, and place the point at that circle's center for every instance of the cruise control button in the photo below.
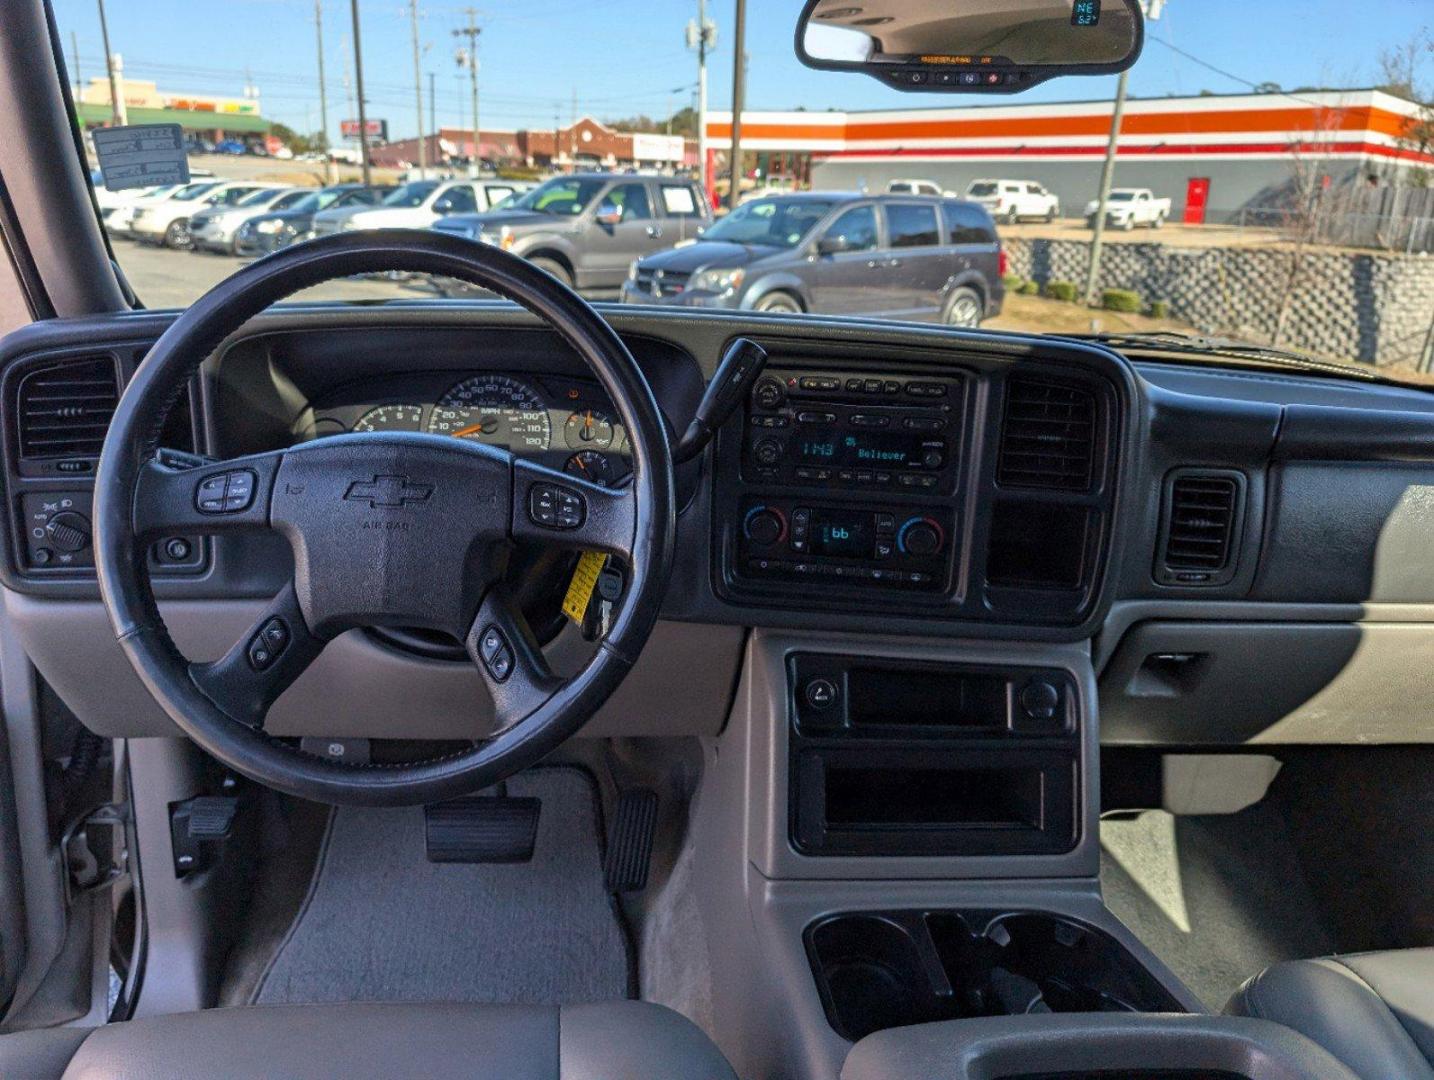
(489, 643)
(501, 665)
(555, 507)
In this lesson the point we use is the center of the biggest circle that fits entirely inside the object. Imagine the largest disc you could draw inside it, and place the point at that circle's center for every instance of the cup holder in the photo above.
(878, 970)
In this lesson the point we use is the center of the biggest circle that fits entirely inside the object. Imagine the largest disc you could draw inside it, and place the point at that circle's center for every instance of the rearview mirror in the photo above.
(981, 46)
(609, 214)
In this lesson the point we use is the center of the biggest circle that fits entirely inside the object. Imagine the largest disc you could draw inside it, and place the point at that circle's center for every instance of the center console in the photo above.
(963, 490)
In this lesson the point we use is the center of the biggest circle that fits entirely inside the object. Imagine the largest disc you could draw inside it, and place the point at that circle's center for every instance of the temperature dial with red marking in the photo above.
(920, 536)
(765, 525)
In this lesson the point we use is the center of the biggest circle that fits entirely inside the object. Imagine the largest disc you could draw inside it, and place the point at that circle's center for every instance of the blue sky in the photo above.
(621, 58)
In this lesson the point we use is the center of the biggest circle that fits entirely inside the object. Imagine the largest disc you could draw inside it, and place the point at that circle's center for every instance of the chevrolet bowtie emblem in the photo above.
(388, 491)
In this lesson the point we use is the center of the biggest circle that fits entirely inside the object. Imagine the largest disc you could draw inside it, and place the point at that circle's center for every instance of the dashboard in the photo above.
(1187, 526)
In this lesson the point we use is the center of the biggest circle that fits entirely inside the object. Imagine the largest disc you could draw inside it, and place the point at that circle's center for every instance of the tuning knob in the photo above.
(769, 393)
(68, 530)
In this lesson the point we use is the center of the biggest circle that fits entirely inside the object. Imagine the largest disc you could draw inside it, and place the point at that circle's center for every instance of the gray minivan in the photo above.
(587, 228)
(840, 253)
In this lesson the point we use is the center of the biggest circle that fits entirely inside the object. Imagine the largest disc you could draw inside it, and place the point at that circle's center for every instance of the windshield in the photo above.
(779, 223)
(259, 198)
(410, 195)
(1271, 182)
(569, 196)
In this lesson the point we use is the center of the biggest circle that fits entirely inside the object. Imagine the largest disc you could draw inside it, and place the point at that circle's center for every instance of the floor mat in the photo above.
(1217, 897)
(381, 923)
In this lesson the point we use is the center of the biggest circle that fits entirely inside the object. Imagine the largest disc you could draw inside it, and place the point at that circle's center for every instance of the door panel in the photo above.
(849, 282)
(610, 248)
(917, 264)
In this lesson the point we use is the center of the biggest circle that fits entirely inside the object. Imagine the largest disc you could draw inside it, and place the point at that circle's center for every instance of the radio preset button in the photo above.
(869, 420)
(924, 423)
(891, 386)
(853, 386)
(872, 386)
(816, 417)
(926, 389)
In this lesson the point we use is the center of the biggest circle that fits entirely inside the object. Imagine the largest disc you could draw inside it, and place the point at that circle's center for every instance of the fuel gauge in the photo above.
(588, 429)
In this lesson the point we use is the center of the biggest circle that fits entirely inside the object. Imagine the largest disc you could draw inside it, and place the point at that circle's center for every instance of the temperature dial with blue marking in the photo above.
(765, 525)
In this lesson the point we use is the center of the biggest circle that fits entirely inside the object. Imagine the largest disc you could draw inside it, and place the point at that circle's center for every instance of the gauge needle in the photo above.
(471, 429)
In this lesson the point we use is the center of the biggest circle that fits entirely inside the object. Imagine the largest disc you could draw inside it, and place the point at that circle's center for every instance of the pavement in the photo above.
(164, 278)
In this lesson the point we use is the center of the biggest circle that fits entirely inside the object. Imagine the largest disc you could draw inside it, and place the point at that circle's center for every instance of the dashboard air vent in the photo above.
(64, 409)
(1202, 510)
(1048, 437)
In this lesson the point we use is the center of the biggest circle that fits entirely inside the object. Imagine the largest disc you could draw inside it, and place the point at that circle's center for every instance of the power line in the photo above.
(1230, 75)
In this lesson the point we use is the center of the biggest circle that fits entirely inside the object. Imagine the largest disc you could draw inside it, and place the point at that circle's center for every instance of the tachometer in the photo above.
(588, 429)
(494, 409)
(391, 418)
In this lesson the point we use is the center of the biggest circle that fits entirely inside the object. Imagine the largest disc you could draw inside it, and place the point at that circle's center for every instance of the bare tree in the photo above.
(1407, 70)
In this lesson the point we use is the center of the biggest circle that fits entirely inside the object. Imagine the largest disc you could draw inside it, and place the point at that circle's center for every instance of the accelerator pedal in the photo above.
(481, 829)
(629, 847)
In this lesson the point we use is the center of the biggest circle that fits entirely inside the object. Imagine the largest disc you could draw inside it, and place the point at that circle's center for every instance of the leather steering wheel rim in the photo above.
(138, 496)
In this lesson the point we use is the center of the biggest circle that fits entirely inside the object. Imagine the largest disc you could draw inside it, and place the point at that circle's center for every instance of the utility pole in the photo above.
(739, 92)
(75, 52)
(362, 112)
(469, 58)
(418, 92)
(703, 36)
(1107, 174)
(330, 168)
(116, 98)
(573, 133)
(1151, 9)
(433, 117)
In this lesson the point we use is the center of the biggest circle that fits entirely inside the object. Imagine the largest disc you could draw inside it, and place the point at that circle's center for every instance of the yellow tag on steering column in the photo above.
(580, 589)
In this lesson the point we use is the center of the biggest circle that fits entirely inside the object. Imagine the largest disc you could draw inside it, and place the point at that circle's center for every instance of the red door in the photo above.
(1197, 194)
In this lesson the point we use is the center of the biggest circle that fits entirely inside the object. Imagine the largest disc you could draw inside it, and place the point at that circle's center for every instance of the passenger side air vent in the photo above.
(1202, 515)
(64, 409)
(1048, 436)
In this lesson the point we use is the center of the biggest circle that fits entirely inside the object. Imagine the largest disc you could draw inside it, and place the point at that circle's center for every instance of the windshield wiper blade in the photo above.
(1191, 344)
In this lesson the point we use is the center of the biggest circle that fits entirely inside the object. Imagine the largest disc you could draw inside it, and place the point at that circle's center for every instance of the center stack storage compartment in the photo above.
(897, 757)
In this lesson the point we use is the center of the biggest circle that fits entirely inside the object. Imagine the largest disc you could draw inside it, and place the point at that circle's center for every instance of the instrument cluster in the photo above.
(562, 421)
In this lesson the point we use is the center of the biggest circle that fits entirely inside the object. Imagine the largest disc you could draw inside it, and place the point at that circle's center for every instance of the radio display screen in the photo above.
(875, 450)
(844, 533)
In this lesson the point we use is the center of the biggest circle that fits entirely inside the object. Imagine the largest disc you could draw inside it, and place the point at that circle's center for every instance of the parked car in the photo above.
(230, 146)
(167, 221)
(121, 222)
(273, 230)
(1011, 201)
(417, 205)
(215, 229)
(1128, 207)
(917, 187)
(837, 253)
(110, 201)
(586, 229)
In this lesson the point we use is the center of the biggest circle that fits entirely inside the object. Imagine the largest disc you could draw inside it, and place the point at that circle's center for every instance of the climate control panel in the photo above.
(803, 541)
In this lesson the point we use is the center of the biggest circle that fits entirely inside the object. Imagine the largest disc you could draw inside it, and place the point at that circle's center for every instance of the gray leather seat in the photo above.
(1373, 1011)
(623, 1040)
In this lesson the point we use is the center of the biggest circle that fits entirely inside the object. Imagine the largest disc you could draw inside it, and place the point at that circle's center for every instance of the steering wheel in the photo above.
(387, 529)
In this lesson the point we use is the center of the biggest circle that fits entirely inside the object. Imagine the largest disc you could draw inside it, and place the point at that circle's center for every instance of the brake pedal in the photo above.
(629, 847)
(481, 829)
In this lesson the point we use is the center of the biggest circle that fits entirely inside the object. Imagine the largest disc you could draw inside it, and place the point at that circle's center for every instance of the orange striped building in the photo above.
(1247, 148)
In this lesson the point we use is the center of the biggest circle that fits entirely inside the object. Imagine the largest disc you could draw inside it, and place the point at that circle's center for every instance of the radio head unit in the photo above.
(856, 431)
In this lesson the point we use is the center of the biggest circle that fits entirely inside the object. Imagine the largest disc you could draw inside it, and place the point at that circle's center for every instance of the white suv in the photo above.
(417, 205)
(167, 221)
(1010, 201)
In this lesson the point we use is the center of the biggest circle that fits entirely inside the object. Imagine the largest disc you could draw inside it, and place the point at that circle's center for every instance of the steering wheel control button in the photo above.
(556, 507)
(489, 643)
(821, 693)
(225, 493)
(268, 644)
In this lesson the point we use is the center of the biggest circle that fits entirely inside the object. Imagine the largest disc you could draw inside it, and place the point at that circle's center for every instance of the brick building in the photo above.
(587, 144)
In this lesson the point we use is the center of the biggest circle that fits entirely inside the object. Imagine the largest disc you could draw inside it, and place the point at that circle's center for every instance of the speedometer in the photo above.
(494, 409)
